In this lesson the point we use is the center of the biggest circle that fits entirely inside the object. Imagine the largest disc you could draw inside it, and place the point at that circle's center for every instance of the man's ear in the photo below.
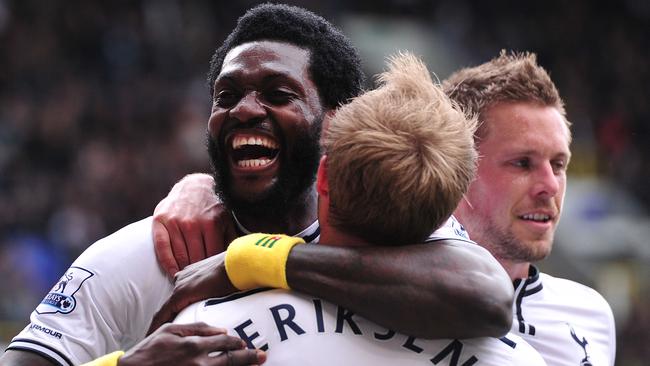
(322, 185)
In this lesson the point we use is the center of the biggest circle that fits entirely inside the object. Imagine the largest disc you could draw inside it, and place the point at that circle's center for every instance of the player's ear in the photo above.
(322, 185)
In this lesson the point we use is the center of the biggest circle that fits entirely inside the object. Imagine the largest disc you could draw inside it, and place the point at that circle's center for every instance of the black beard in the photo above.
(296, 176)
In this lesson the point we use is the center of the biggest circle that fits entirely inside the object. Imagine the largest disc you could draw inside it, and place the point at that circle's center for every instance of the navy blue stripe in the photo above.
(533, 290)
(311, 237)
(22, 348)
(534, 276)
(509, 342)
(520, 317)
(235, 296)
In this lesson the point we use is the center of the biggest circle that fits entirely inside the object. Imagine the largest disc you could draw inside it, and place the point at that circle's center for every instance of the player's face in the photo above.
(514, 205)
(264, 127)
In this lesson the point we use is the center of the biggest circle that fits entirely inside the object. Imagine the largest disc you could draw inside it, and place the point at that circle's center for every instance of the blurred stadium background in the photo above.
(103, 106)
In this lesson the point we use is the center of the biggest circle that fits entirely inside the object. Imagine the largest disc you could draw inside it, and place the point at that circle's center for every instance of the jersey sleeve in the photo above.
(524, 353)
(102, 303)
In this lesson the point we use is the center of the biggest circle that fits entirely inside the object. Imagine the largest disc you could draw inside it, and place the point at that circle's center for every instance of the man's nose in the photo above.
(248, 108)
(547, 182)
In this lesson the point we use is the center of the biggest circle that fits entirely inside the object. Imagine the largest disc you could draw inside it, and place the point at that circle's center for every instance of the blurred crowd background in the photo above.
(103, 106)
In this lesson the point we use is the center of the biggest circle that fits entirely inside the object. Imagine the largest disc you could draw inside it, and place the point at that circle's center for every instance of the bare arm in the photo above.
(190, 224)
(446, 289)
(23, 358)
(440, 290)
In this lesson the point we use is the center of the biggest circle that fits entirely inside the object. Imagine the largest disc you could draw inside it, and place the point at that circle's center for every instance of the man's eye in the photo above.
(559, 165)
(278, 97)
(522, 163)
(226, 98)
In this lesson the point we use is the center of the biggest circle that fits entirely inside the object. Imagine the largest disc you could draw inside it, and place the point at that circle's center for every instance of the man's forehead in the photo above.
(522, 126)
(278, 56)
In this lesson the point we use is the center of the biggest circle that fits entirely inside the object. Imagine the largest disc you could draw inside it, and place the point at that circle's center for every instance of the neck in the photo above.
(331, 236)
(292, 221)
(515, 270)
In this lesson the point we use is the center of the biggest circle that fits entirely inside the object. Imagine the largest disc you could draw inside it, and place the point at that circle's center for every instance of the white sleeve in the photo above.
(103, 302)
(524, 353)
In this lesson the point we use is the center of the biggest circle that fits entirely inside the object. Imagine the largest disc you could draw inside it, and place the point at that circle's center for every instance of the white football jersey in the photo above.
(568, 323)
(297, 329)
(105, 301)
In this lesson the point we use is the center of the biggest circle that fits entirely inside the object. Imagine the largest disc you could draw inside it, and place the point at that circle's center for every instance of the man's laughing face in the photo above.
(263, 133)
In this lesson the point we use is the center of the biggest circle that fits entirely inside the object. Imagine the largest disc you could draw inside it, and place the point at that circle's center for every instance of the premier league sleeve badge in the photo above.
(61, 298)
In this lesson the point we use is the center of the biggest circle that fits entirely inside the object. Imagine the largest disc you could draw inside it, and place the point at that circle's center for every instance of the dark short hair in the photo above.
(335, 65)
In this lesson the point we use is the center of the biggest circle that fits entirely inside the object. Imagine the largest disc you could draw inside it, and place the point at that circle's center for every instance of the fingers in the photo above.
(212, 239)
(163, 248)
(193, 241)
(164, 315)
(241, 357)
(178, 245)
(199, 329)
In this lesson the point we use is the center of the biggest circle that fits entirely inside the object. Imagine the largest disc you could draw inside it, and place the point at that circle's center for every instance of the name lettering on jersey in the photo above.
(583, 343)
(343, 316)
(45, 330)
(281, 323)
(61, 299)
(249, 338)
(286, 324)
(454, 349)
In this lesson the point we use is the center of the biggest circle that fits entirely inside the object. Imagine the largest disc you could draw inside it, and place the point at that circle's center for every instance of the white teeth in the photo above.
(251, 163)
(536, 217)
(239, 141)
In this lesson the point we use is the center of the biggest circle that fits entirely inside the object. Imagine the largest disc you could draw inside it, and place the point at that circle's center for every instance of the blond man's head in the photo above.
(399, 158)
(510, 77)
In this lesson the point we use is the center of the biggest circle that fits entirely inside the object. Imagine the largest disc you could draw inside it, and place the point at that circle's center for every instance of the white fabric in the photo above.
(103, 303)
(106, 300)
(297, 329)
(452, 229)
(548, 310)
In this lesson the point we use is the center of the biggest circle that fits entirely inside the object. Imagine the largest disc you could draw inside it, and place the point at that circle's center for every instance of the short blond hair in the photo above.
(510, 77)
(399, 158)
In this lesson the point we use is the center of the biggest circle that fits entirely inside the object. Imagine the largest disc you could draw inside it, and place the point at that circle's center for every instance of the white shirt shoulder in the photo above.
(451, 229)
(567, 322)
(104, 302)
(296, 329)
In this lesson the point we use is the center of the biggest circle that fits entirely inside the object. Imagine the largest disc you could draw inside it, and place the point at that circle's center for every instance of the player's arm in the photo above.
(446, 289)
(24, 358)
(190, 224)
(439, 290)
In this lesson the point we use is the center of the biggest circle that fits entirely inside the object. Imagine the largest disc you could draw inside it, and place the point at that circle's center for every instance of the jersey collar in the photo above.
(311, 234)
(523, 288)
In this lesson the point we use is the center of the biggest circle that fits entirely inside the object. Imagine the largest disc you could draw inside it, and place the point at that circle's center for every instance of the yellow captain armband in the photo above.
(106, 360)
(259, 260)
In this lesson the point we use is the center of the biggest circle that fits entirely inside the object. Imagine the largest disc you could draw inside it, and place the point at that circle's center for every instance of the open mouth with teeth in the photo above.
(252, 151)
(536, 217)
